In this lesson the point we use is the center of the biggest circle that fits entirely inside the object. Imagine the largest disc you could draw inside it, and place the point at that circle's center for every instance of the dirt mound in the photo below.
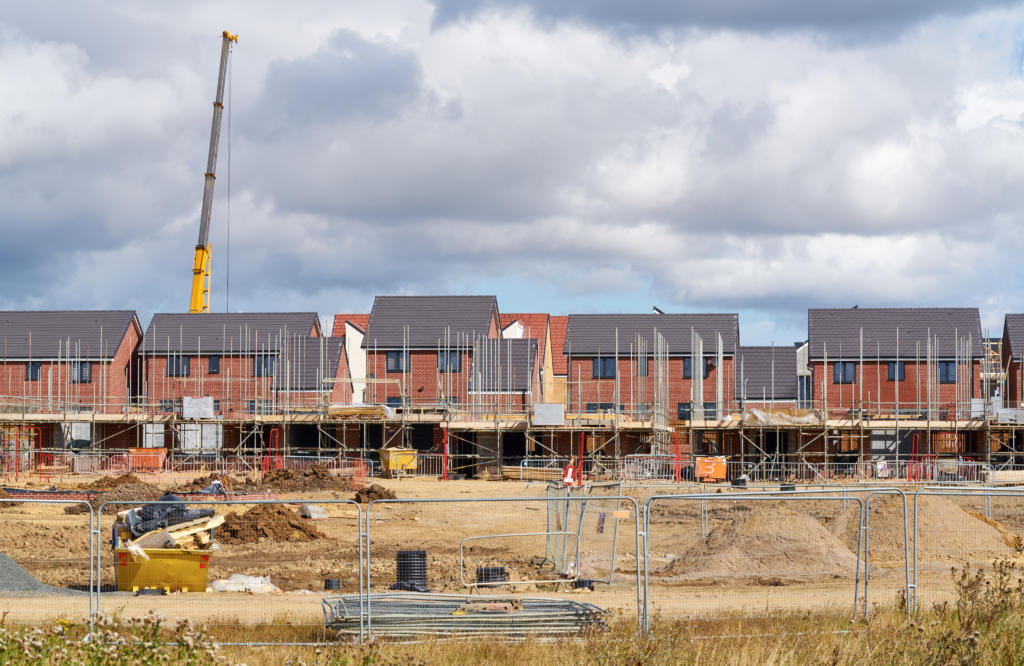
(373, 492)
(267, 521)
(767, 543)
(946, 531)
(126, 492)
(109, 482)
(315, 477)
(234, 483)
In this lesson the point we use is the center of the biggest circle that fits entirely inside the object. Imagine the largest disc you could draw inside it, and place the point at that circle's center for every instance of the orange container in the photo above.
(708, 468)
(146, 459)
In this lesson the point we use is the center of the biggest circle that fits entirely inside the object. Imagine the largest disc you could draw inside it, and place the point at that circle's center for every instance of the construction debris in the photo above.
(314, 477)
(267, 521)
(243, 583)
(125, 492)
(373, 492)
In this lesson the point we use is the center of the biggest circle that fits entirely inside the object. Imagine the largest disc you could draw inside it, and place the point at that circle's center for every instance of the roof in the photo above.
(837, 331)
(558, 325)
(306, 362)
(45, 334)
(503, 365)
(535, 324)
(360, 321)
(596, 334)
(1015, 334)
(431, 320)
(757, 365)
(226, 332)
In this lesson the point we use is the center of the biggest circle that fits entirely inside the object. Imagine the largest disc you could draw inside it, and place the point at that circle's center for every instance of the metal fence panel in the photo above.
(264, 538)
(741, 555)
(507, 567)
(46, 558)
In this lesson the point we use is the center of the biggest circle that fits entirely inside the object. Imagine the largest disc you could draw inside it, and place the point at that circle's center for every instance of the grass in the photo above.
(984, 625)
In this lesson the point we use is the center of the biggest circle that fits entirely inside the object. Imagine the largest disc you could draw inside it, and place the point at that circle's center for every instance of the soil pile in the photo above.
(373, 492)
(15, 579)
(126, 492)
(768, 542)
(4, 495)
(266, 521)
(109, 482)
(315, 477)
(946, 532)
(231, 483)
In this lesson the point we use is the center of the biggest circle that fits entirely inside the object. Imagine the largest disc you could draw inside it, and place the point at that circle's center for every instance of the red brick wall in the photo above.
(106, 392)
(583, 388)
(342, 391)
(421, 381)
(234, 386)
(877, 387)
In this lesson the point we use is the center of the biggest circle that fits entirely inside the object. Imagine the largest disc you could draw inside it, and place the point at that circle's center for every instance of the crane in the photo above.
(199, 301)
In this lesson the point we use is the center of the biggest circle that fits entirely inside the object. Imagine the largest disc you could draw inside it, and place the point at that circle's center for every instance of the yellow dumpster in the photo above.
(171, 569)
(396, 461)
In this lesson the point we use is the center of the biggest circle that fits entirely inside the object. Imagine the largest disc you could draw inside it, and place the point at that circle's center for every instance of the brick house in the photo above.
(419, 348)
(890, 359)
(556, 389)
(352, 328)
(611, 363)
(534, 326)
(1012, 355)
(72, 360)
(230, 357)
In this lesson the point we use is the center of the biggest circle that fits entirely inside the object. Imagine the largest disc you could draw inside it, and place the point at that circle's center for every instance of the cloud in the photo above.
(868, 18)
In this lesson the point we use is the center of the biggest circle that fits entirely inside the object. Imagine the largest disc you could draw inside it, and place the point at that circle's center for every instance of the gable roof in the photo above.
(305, 362)
(767, 372)
(558, 325)
(360, 321)
(226, 332)
(503, 365)
(535, 324)
(838, 331)
(589, 335)
(430, 320)
(45, 334)
(1014, 330)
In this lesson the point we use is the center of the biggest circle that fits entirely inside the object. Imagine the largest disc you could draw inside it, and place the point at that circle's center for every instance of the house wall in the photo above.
(420, 382)
(583, 388)
(880, 394)
(234, 386)
(354, 358)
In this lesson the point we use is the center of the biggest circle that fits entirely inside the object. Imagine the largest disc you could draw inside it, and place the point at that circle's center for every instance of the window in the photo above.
(261, 406)
(263, 365)
(711, 411)
(641, 366)
(216, 406)
(393, 401)
(213, 364)
(449, 361)
(32, 371)
(595, 407)
(81, 372)
(947, 372)
(166, 405)
(396, 361)
(178, 366)
(803, 391)
(844, 372)
(683, 411)
(688, 366)
(897, 367)
(604, 368)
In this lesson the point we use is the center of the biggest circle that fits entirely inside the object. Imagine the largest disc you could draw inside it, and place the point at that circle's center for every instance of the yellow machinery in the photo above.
(200, 301)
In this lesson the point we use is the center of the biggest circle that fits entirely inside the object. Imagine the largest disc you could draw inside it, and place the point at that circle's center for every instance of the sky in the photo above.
(752, 156)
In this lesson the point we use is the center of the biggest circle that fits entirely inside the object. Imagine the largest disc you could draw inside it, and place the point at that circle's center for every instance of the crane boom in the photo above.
(199, 301)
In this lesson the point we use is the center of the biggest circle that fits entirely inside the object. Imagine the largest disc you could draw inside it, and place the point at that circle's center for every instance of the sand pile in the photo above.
(126, 492)
(768, 542)
(315, 477)
(373, 492)
(946, 531)
(109, 482)
(266, 521)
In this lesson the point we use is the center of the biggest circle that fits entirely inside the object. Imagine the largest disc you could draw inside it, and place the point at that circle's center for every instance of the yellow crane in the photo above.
(200, 301)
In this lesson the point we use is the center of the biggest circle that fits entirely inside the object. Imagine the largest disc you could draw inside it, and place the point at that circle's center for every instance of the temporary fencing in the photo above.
(577, 549)
(255, 593)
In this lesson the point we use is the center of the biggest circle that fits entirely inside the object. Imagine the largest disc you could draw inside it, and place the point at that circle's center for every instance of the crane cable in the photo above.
(227, 253)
